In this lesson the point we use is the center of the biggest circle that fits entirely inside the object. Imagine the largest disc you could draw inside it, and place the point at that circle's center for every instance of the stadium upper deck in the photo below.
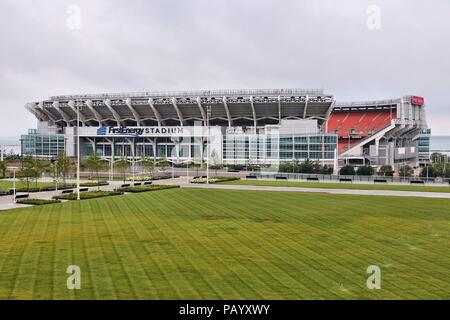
(250, 108)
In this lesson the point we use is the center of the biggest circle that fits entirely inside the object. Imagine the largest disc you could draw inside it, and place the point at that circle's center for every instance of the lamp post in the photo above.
(78, 150)
(208, 116)
(187, 171)
(14, 184)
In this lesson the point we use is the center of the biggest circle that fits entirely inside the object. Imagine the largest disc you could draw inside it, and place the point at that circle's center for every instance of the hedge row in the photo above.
(214, 180)
(147, 188)
(88, 195)
(37, 202)
(94, 184)
(66, 187)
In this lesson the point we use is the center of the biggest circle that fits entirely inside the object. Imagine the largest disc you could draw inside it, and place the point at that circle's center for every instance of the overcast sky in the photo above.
(354, 49)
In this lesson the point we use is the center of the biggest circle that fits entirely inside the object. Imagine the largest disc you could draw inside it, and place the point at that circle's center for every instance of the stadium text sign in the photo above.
(417, 101)
(140, 131)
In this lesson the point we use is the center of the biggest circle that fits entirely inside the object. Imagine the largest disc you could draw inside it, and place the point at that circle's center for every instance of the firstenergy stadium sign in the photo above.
(142, 131)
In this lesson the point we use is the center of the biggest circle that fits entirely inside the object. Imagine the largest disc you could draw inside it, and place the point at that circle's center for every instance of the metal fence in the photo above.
(362, 179)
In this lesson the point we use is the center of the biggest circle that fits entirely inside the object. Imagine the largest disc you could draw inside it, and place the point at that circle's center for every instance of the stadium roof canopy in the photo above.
(256, 107)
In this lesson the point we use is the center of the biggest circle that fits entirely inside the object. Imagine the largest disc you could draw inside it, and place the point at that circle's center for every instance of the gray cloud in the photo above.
(140, 45)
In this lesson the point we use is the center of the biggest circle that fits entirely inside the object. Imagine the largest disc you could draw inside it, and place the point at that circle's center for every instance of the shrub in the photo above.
(236, 167)
(365, 171)
(37, 202)
(386, 171)
(214, 180)
(165, 177)
(347, 171)
(407, 171)
(132, 179)
(94, 184)
(28, 190)
(147, 188)
(88, 195)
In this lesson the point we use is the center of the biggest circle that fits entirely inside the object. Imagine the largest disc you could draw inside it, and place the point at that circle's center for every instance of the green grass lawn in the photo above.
(326, 185)
(228, 244)
(8, 184)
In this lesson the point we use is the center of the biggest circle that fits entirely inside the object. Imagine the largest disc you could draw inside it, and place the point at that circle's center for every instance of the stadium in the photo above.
(264, 127)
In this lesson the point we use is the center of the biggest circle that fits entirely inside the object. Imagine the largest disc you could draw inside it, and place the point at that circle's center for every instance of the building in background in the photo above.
(423, 141)
(46, 142)
(242, 126)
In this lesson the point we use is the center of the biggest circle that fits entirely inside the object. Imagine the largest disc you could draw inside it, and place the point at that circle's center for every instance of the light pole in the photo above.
(187, 171)
(55, 173)
(14, 184)
(208, 116)
(78, 151)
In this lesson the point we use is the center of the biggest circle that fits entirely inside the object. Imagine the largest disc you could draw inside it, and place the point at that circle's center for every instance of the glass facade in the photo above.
(42, 146)
(235, 148)
(423, 141)
(282, 147)
(173, 149)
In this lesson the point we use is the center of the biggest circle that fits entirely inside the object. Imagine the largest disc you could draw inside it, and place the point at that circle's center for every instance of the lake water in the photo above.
(440, 143)
(10, 145)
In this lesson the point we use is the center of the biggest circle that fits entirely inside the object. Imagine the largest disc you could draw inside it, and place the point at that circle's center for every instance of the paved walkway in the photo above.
(392, 193)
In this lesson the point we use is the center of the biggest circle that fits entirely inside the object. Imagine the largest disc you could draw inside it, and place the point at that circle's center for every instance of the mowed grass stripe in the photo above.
(139, 249)
(180, 263)
(344, 249)
(213, 244)
(319, 279)
(13, 252)
(275, 251)
(226, 278)
(61, 252)
(28, 266)
(187, 252)
(192, 229)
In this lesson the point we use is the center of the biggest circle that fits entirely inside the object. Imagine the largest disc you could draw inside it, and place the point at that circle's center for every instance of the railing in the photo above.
(193, 93)
(333, 178)
(378, 103)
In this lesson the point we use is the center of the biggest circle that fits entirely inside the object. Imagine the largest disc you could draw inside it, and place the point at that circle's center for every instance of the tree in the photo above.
(27, 170)
(306, 167)
(217, 165)
(326, 169)
(437, 157)
(365, 171)
(405, 171)
(286, 167)
(63, 166)
(347, 171)
(148, 164)
(386, 171)
(94, 163)
(122, 165)
(163, 163)
(3, 168)
(40, 166)
(251, 165)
